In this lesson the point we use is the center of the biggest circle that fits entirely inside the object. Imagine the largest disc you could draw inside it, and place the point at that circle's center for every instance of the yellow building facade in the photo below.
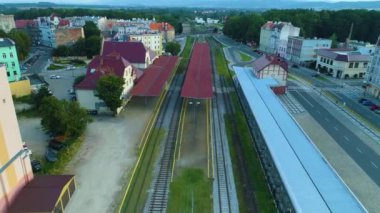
(153, 41)
(15, 167)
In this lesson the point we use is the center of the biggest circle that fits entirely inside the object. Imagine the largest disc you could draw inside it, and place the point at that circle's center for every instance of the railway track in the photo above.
(225, 198)
(158, 199)
(135, 194)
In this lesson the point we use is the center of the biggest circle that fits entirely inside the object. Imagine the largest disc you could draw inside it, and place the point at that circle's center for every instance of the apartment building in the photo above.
(373, 73)
(15, 167)
(152, 41)
(7, 22)
(8, 57)
(166, 29)
(342, 63)
(274, 37)
(304, 50)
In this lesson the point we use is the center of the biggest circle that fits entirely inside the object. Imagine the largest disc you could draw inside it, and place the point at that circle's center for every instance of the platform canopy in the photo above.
(198, 82)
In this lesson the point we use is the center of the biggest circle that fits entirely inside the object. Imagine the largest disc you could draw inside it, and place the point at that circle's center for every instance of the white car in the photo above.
(55, 77)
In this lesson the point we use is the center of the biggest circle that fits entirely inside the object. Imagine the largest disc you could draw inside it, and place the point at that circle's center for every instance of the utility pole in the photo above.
(349, 35)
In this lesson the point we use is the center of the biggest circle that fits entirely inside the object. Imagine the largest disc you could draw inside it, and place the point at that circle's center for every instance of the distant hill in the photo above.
(242, 4)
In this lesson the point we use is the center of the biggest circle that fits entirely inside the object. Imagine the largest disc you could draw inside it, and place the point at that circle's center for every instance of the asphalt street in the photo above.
(341, 91)
(363, 155)
(44, 55)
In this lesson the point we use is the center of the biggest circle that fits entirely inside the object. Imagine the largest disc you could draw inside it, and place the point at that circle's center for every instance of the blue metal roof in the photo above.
(312, 184)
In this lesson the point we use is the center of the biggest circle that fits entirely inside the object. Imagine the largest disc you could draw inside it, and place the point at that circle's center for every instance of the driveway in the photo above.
(32, 134)
(105, 159)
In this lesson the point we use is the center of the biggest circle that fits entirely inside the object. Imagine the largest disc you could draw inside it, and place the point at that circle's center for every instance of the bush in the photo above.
(78, 79)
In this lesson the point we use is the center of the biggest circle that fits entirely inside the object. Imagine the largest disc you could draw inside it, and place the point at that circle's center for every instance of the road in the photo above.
(240, 47)
(362, 154)
(43, 55)
(346, 92)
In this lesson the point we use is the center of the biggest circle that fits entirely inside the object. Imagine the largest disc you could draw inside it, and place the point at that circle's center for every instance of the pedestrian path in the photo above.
(293, 106)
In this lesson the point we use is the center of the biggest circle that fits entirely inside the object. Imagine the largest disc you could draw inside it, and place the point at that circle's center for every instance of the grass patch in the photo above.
(142, 179)
(191, 185)
(55, 67)
(244, 57)
(75, 62)
(265, 201)
(26, 99)
(185, 55)
(64, 157)
(29, 113)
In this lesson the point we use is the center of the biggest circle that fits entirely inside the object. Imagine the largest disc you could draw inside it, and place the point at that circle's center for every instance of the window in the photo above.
(356, 64)
(365, 65)
(351, 65)
(11, 55)
(14, 73)
(4, 55)
(13, 64)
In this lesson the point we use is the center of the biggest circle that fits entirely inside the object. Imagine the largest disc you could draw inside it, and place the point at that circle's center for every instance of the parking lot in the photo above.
(60, 86)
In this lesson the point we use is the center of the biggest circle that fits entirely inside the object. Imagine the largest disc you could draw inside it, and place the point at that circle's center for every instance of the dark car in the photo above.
(56, 145)
(36, 165)
(361, 100)
(51, 155)
(295, 66)
(367, 103)
(375, 107)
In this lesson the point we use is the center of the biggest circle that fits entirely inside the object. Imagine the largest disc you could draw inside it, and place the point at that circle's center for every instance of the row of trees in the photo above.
(22, 40)
(88, 46)
(323, 24)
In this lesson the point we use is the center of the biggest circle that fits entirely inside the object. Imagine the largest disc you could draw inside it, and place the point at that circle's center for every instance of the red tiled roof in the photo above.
(198, 82)
(267, 60)
(24, 23)
(155, 76)
(134, 52)
(41, 194)
(102, 65)
(161, 26)
(63, 22)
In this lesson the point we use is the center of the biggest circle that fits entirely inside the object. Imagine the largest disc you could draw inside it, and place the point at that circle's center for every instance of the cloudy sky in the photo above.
(126, 2)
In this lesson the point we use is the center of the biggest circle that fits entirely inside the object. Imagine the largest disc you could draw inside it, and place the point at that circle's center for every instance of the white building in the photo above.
(342, 63)
(303, 50)
(274, 37)
(212, 21)
(365, 48)
(101, 66)
(199, 20)
(373, 73)
(7, 22)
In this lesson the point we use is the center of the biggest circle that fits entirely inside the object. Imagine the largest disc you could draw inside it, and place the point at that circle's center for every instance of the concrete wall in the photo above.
(14, 176)
(20, 88)
(68, 36)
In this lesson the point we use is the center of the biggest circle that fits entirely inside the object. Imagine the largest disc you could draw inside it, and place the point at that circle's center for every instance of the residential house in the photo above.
(304, 50)
(212, 21)
(268, 66)
(342, 63)
(20, 191)
(199, 20)
(373, 73)
(134, 52)
(100, 66)
(8, 57)
(7, 22)
(274, 37)
(166, 29)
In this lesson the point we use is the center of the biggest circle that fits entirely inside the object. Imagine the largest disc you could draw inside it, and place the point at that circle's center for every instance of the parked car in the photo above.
(56, 145)
(361, 100)
(374, 107)
(71, 91)
(315, 75)
(36, 165)
(51, 155)
(367, 103)
(55, 77)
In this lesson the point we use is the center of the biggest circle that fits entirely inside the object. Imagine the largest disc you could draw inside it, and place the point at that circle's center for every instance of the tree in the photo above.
(173, 48)
(62, 118)
(334, 42)
(79, 48)
(62, 51)
(109, 88)
(93, 45)
(23, 43)
(3, 34)
(40, 95)
(90, 29)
